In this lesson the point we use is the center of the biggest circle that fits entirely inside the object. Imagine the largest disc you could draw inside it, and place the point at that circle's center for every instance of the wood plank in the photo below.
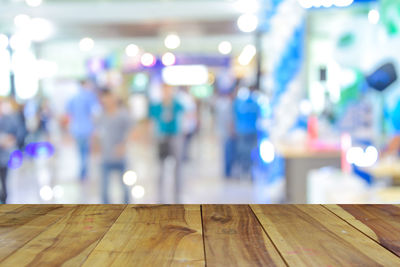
(9, 207)
(380, 222)
(20, 223)
(69, 240)
(311, 235)
(234, 237)
(152, 235)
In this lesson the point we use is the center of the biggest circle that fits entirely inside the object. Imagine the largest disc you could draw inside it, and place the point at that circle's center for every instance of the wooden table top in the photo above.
(199, 235)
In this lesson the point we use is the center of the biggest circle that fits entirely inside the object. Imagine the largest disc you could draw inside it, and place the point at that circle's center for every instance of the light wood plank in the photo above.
(68, 241)
(380, 222)
(20, 223)
(310, 235)
(9, 207)
(152, 235)
(234, 237)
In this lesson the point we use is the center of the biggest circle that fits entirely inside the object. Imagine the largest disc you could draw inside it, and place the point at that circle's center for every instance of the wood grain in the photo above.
(194, 235)
(152, 235)
(67, 241)
(233, 237)
(380, 222)
(310, 235)
(20, 223)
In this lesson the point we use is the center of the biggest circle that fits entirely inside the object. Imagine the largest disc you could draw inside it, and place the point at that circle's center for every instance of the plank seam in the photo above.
(202, 234)
(98, 242)
(265, 231)
(24, 244)
(359, 230)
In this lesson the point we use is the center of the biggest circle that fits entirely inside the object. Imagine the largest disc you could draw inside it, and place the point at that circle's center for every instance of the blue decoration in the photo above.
(16, 159)
(39, 149)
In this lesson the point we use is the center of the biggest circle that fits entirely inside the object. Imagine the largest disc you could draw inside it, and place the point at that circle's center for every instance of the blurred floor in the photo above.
(202, 181)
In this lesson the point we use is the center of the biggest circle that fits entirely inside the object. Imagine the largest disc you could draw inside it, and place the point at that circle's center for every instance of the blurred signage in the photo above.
(211, 61)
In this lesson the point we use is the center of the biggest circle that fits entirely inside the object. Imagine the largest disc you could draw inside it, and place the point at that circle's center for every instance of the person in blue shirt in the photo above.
(81, 109)
(167, 115)
(246, 113)
(8, 142)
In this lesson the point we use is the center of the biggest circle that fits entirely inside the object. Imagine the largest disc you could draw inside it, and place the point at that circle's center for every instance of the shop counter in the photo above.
(386, 169)
(199, 235)
(299, 161)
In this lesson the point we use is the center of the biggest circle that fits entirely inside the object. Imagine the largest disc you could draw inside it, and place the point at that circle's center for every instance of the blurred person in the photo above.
(189, 120)
(19, 118)
(44, 115)
(246, 114)
(81, 109)
(8, 141)
(167, 119)
(112, 129)
(225, 129)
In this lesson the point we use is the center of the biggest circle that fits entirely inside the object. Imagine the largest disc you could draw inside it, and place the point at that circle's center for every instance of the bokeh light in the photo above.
(373, 16)
(247, 22)
(132, 50)
(20, 41)
(172, 41)
(267, 151)
(22, 21)
(148, 60)
(225, 47)
(33, 3)
(168, 59)
(40, 29)
(86, 44)
(58, 191)
(138, 191)
(249, 51)
(46, 193)
(129, 178)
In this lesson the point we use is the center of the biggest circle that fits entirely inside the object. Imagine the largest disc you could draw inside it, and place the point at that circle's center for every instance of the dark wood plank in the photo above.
(234, 237)
(20, 223)
(69, 240)
(152, 235)
(379, 222)
(311, 235)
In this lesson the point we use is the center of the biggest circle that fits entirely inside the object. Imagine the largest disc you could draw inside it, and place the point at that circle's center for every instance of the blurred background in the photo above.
(200, 101)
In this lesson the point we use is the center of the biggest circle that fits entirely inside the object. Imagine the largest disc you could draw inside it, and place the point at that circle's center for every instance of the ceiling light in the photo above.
(172, 41)
(86, 44)
(129, 178)
(168, 59)
(20, 41)
(33, 3)
(132, 50)
(22, 20)
(247, 22)
(225, 47)
(40, 29)
(185, 75)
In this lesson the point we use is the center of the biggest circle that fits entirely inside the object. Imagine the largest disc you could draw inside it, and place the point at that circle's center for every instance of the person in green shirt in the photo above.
(167, 116)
